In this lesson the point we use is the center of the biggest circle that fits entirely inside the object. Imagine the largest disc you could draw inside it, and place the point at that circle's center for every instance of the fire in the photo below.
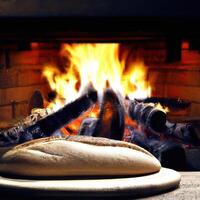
(97, 65)
(134, 81)
(162, 108)
(63, 84)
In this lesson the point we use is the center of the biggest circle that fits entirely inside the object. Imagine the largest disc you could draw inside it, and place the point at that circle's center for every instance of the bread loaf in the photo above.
(77, 156)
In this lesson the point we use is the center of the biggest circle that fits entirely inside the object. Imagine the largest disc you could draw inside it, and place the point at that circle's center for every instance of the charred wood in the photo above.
(110, 122)
(147, 115)
(184, 131)
(49, 124)
(68, 113)
(171, 103)
(193, 158)
(11, 136)
(183, 119)
(58, 133)
(88, 127)
(171, 154)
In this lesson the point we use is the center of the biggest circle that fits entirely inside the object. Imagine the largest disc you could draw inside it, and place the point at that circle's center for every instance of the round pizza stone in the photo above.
(140, 186)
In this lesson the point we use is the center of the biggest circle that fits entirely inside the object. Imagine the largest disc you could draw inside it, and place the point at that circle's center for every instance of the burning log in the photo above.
(110, 123)
(49, 124)
(88, 126)
(12, 134)
(111, 118)
(170, 153)
(171, 103)
(155, 121)
(148, 115)
(184, 132)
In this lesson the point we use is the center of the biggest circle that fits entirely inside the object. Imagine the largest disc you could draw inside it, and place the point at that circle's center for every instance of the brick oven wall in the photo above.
(172, 80)
(179, 80)
(21, 79)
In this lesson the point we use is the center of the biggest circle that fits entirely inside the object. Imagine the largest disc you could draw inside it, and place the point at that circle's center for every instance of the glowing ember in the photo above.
(97, 65)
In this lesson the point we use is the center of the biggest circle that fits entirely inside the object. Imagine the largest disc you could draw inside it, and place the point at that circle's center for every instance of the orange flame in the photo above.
(134, 81)
(100, 66)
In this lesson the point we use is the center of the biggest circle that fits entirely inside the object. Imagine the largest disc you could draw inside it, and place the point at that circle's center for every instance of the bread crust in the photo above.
(77, 156)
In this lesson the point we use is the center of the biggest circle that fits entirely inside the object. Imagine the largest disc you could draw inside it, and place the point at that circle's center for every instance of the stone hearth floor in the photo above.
(189, 189)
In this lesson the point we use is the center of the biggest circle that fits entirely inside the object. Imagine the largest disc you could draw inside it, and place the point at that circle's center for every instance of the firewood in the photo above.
(88, 126)
(166, 151)
(171, 103)
(11, 135)
(147, 115)
(49, 124)
(184, 119)
(186, 132)
(110, 122)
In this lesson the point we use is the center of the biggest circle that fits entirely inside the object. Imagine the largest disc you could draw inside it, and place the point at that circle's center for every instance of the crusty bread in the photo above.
(77, 156)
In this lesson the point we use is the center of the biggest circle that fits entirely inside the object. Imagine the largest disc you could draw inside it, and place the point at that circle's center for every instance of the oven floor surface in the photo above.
(189, 188)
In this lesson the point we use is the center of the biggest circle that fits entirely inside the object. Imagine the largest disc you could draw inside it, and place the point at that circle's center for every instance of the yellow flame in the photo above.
(99, 65)
(63, 83)
(160, 107)
(134, 81)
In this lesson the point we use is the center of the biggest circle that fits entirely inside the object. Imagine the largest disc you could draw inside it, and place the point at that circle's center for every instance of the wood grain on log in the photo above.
(46, 126)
